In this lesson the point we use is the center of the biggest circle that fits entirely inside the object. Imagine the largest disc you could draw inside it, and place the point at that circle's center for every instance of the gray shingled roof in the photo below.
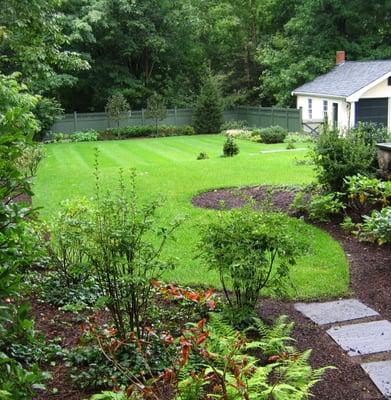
(347, 78)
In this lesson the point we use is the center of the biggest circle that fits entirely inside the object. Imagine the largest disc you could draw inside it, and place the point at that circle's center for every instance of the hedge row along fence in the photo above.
(257, 117)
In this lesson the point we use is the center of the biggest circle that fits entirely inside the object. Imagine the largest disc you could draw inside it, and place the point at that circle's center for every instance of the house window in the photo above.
(325, 109)
(389, 81)
(309, 108)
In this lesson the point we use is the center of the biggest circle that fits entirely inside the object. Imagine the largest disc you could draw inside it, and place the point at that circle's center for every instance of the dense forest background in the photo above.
(80, 52)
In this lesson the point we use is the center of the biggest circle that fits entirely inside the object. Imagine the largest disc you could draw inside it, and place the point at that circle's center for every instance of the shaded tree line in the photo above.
(81, 52)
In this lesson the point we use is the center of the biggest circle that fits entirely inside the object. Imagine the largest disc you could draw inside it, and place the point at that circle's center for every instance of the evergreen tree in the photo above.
(208, 114)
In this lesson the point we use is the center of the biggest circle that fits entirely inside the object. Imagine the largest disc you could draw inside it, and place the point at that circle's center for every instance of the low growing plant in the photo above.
(202, 156)
(230, 148)
(376, 228)
(364, 194)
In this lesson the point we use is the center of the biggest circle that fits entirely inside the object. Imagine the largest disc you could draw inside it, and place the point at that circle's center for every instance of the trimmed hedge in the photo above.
(145, 131)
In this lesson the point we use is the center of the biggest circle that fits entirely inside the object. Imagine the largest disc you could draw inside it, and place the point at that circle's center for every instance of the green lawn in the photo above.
(168, 168)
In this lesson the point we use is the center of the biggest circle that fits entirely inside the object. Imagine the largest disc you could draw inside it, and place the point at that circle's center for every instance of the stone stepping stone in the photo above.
(335, 311)
(380, 373)
(364, 338)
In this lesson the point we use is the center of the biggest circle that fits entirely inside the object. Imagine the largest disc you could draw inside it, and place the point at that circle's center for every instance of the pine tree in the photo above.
(208, 114)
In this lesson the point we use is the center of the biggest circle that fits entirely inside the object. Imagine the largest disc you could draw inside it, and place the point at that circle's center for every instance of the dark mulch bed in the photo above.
(370, 282)
(370, 274)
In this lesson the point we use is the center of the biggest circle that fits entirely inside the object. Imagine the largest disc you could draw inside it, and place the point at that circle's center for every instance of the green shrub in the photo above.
(376, 228)
(298, 138)
(273, 134)
(29, 159)
(123, 255)
(88, 136)
(318, 207)
(60, 137)
(364, 194)
(202, 156)
(238, 124)
(243, 247)
(290, 145)
(129, 132)
(340, 154)
(230, 148)
(47, 111)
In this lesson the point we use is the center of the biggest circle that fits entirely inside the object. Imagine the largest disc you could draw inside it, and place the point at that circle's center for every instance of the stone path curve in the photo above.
(361, 332)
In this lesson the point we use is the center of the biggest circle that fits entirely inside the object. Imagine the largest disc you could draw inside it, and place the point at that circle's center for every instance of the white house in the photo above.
(353, 91)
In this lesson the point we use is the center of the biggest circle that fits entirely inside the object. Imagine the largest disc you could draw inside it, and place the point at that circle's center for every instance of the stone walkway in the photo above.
(361, 332)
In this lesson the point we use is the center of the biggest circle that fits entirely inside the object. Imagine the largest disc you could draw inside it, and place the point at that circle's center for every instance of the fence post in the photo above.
(260, 117)
(301, 119)
(287, 119)
(75, 120)
(175, 116)
(142, 117)
(272, 117)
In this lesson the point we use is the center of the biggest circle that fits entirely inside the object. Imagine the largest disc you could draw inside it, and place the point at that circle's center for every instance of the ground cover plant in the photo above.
(168, 168)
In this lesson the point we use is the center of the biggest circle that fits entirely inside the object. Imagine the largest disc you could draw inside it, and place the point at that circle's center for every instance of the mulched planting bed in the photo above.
(370, 268)
(370, 275)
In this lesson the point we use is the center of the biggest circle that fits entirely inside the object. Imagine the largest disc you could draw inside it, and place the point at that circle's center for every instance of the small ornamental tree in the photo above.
(117, 108)
(156, 109)
(208, 114)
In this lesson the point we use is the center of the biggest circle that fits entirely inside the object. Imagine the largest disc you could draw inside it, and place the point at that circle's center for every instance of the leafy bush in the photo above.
(273, 134)
(145, 131)
(67, 246)
(208, 113)
(298, 138)
(243, 247)
(202, 156)
(122, 254)
(376, 227)
(88, 136)
(319, 206)
(340, 154)
(29, 159)
(241, 125)
(290, 145)
(47, 111)
(364, 194)
(60, 137)
(239, 134)
(230, 148)
(17, 124)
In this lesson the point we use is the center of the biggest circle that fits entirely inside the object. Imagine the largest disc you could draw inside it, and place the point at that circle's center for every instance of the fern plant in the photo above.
(227, 371)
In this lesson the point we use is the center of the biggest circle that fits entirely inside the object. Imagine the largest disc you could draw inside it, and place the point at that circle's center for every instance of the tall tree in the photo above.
(33, 43)
(305, 46)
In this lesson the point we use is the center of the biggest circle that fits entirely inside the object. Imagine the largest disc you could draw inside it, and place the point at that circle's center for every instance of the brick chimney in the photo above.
(340, 57)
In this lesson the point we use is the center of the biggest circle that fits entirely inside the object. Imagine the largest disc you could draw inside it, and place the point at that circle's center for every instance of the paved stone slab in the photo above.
(365, 338)
(380, 373)
(335, 311)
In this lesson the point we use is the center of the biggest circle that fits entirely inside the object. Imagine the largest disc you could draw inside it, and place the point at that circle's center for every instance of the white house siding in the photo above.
(344, 114)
